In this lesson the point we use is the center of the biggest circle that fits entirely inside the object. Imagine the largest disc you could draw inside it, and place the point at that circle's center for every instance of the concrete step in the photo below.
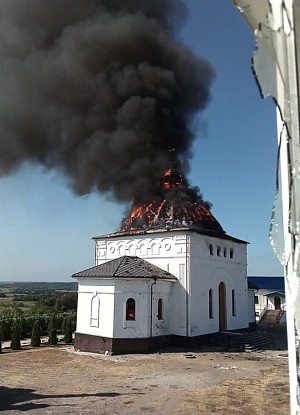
(242, 341)
(269, 317)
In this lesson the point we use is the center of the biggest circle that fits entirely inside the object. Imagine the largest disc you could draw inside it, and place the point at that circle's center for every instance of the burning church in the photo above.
(171, 275)
(103, 91)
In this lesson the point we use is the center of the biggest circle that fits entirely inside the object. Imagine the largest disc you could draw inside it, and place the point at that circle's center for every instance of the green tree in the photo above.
(36, 334)
(68, 330)
(0, 343)
(23, 331)
(52, 330)
(15, 343)
(63, 325)
(67, 302)
(6, 329)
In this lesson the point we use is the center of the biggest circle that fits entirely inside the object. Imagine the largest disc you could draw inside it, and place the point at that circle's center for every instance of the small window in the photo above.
(256, 299)
(231, 253)
(225, 252)
(218, 251)
(211, 249)
(130, 309)
(160, 309)
(233, 306)
(210, 303)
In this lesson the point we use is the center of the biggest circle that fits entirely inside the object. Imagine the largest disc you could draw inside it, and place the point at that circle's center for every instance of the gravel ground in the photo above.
(62, 381)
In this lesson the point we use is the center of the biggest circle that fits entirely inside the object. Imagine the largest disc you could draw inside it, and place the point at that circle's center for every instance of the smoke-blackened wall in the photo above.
(100, 90)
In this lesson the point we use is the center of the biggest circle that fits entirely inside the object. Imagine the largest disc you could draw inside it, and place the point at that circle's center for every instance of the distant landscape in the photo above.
(26, 302)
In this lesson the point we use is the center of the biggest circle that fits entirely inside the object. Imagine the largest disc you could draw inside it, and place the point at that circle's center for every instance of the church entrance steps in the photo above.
(269, 318)
(242, 341)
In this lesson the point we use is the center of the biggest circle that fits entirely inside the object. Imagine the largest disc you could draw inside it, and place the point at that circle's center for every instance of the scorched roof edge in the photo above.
(161, 230)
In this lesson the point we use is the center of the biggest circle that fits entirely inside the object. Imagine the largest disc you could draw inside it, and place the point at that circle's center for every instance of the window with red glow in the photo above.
(130, 309)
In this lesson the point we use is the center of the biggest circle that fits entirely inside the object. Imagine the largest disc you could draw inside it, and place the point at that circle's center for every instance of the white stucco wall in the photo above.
(187, 256)
(110, 298)
(207, 272)
(140, 291)
(93, 292)
(167, 250)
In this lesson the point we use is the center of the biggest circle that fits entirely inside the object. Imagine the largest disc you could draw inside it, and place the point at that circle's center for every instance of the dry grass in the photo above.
(59, 381)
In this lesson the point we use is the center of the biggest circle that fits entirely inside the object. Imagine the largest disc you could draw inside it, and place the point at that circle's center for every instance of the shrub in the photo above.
(36, 334)
(52, 331)
(6, 329)
(68, 330)
(23, 331)
(15, 343)
(63, 325)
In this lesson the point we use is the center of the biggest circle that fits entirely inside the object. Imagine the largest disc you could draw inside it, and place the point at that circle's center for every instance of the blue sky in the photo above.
(46, 230)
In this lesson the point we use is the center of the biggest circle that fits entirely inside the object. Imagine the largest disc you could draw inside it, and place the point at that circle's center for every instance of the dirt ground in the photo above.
(62, 381)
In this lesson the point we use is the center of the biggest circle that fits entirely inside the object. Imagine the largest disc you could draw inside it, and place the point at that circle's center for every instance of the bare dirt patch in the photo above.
(61, 381)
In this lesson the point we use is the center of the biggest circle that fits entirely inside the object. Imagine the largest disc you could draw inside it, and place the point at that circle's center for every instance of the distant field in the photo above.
(25, 306)
(68, 286)
(29, 293)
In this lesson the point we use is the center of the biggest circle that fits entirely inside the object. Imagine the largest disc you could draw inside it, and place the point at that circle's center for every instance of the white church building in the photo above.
(155, 287)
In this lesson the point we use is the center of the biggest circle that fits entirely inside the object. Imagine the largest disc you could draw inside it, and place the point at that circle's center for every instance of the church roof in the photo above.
(135, 232)
(126, 267)
(267, 283)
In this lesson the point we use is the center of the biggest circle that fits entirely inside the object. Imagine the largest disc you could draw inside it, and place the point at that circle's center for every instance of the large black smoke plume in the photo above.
(100, 90)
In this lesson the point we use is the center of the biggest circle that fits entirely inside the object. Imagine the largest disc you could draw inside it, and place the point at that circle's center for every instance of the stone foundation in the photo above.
(98, 344)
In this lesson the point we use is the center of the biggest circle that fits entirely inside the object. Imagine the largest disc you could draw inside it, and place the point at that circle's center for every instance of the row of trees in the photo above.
(26, 324)
(67, 328)
(49, 301)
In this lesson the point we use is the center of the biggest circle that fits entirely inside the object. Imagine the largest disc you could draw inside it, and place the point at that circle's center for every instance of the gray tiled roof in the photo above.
(125, 267)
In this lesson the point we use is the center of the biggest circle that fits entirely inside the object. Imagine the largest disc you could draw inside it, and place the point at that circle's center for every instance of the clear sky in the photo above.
(46, 230)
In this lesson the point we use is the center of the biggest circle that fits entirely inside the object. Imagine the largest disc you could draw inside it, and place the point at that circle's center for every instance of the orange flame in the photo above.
(172, 179)
(166, 213)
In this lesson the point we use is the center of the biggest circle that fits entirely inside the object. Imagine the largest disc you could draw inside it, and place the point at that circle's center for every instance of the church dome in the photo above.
(180, 206)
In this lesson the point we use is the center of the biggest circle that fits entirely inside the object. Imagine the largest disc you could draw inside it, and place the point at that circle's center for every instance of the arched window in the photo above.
(233, 305)
(132, 249)
(211, 249)
(160, 309)
(155, 248)
(231, 253)
(225, 252)
(130, 309)
(95, 309)
(218, 251)
(143, 249)
(210, 303)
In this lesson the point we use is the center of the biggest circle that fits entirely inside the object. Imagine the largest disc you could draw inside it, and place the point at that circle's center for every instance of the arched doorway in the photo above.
(222, 307)
(277, 302)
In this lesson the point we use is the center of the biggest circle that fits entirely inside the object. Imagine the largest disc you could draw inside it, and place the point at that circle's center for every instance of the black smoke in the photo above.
(99, 90)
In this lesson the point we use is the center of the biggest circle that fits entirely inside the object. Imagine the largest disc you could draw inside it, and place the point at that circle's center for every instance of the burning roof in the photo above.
(179, 206)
